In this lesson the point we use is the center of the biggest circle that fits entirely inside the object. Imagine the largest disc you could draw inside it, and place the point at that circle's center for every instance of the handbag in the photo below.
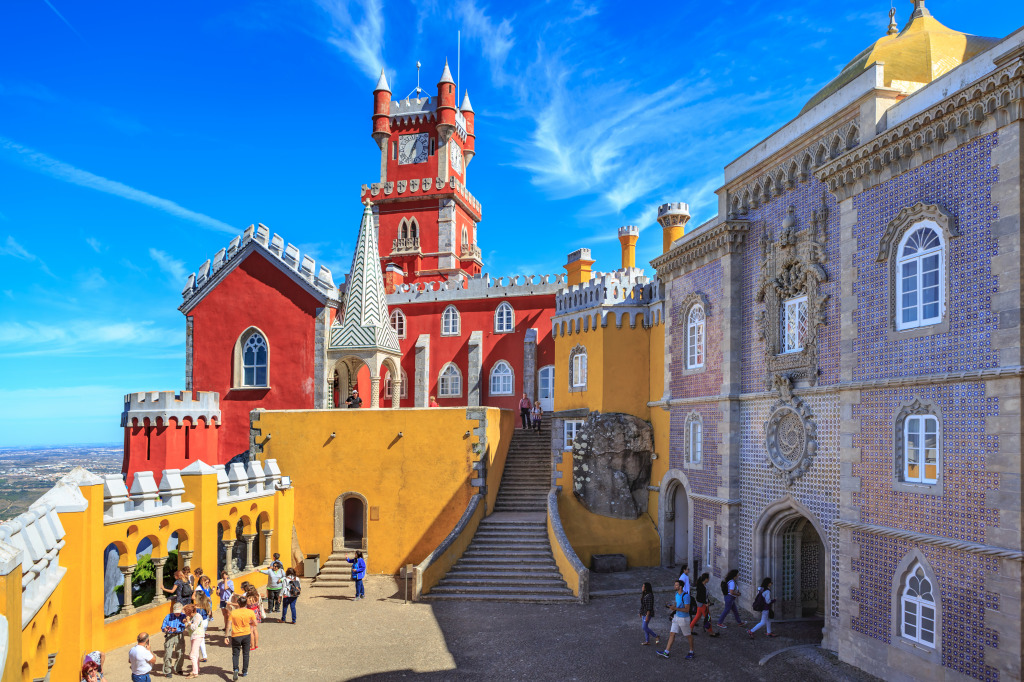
(771, 612)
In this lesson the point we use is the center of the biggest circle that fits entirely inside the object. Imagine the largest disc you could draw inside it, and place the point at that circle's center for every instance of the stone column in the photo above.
(184, 559)
(158, 565)
(530, 364)
(267, 555)
(127, 571)
(374, 393)
(248, 539)
(229, 556)
(473, 389)
(421, 386)
(396, 392)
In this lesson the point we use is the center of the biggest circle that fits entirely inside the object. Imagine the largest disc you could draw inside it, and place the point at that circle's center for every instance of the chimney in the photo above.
(578, 266)
(672, 218)
(627, 237)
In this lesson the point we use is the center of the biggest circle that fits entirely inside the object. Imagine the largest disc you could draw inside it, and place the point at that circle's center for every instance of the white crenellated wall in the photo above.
(160, 406)
(482, 286)
(620, 295)
(145, 498)
(34, 539)
(421, 187)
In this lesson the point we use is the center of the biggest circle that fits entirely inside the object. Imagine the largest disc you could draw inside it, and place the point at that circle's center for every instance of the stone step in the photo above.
(490, 589)
(503, 553)
(497, 597)
(507, 546)
(510, 574)
(498, 566)
(539, 507)
(488, 534)
(503, 560)
(522, 584)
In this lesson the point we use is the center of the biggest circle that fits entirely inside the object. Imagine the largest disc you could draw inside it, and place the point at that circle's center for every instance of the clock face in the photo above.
(455, 155)
(412, 148)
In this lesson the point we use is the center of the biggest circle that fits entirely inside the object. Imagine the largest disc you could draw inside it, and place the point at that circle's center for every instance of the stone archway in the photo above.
(675, 519)
(789, 546)
(350, 516)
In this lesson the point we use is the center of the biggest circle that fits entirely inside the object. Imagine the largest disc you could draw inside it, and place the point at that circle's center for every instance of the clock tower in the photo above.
(426, 218)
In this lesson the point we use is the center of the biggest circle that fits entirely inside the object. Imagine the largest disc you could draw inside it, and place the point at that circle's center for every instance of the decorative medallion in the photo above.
(791, 435)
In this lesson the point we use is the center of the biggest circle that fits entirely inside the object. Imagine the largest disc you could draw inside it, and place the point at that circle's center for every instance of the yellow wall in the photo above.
(418, 484)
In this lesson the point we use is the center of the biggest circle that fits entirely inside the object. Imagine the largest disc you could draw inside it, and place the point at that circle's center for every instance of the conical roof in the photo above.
(382, 83)
(366, 324)
(466, 106)
(446, 77)
(914, 57)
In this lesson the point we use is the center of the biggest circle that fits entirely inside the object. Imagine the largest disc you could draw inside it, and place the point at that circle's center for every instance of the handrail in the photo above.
(565, 555)
(464, 524)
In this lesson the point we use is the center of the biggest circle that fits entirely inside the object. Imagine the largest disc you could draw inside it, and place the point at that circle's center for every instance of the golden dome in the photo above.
(913, 57)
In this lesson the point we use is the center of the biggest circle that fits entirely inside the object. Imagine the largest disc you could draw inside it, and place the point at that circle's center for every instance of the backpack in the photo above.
(186, 591)
(725, 589)
(759, 604)
(294, 588)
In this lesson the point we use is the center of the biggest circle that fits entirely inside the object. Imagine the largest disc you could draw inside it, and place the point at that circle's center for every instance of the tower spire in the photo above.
(920, 10)
(893, 28)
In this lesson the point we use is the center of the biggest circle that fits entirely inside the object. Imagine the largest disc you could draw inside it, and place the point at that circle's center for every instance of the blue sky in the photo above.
(137, 138)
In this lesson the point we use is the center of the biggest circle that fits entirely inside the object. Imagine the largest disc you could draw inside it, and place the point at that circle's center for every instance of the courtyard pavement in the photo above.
(381, 638)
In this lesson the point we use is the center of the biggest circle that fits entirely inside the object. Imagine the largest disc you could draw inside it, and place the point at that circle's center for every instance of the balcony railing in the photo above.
(471, 251)
(405, 245)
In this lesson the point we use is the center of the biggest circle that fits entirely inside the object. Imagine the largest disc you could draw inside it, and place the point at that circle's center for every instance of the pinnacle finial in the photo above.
(446, 77)
(920, 10)
(893, 28)
(382, 83)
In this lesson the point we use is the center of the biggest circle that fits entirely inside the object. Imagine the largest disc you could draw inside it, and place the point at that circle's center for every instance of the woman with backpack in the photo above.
(359, 572)
(291, 591)
(731, 594)
(763, 603)
(647, 614)
(181, 593)
(703, 606)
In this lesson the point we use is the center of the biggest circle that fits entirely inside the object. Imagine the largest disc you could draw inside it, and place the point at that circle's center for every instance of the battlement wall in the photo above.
(481, 286)
(157, 408)
(258, 236)
(424, 187)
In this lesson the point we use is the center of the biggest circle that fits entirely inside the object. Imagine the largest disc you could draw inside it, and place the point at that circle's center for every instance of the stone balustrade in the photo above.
(145, 498)
(34, 538)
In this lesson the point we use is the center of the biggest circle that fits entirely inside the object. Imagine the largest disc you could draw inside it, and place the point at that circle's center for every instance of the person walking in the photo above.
(239, 630)
(291, 591)
(354, 402)
(141, 659)
(731, 595)
(358, 573)
(647, 614)
(204, 607)
(254, 603)
(680, 621)
(195, 628)
(275, 577)
(703, 605)
(536, 416)
(173, 628)
(433, 402)
(524, 411)
(225, 593)
(763, 603)
(91, 672)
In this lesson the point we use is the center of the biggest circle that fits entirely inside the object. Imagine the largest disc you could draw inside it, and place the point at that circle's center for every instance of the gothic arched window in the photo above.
(694, 439)
(450, 322)
(504, 319)
(919, 278)
(502, 379)
(252, 358)
(403, 392)
(695, 337)
(398, 323)
(449, 382)
(918, 613)
(578, 369)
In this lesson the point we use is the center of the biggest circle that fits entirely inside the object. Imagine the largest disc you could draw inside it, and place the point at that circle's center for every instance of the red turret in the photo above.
(446, 101)
(164, 430)
(468, 149)
(382, 110)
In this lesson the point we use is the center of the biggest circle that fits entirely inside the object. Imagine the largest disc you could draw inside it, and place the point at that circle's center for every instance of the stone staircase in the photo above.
(509, 558)
(337, 572)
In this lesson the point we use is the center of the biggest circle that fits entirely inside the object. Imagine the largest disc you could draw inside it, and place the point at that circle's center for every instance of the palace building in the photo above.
(821, 384)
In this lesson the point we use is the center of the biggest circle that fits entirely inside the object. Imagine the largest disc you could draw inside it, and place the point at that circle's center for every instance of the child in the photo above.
(536, 415)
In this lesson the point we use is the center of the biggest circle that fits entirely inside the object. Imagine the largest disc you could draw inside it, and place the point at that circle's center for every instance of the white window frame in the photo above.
(918, 261)
(570, 428)
(398, 322)
(579, 370)
(451, 322)
(791, 311)
(918, 425)
(508, 376)
(695, 441)
(449, 375)
(387, 385)
(504, 319)
(709, 540)
(255, 366)
(913, 628)
(696, 337)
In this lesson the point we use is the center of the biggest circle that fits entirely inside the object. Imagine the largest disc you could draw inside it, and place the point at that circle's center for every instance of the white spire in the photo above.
(446, 77)
(382, 84)
(466, 106)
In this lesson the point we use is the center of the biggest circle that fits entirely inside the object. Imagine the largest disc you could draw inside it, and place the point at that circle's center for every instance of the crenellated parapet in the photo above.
(157, 408)
(425, 187)
(33, 539)
(302, 268)
(481, 286)
(626, 294)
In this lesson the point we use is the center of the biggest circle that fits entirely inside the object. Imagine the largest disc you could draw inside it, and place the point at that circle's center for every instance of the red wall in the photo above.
(149, 447)
(256, 293)
(477, 314)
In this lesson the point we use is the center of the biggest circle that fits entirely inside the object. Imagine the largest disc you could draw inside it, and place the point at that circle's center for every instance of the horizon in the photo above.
(125, 165)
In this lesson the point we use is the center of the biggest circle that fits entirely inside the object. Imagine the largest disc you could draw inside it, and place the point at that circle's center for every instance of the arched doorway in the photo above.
(546, 388)
(788, 547)
(674, 517)
(350, 512)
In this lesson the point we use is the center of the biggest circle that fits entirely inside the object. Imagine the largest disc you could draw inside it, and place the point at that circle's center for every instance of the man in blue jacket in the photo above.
(173, 628)
(358, 573)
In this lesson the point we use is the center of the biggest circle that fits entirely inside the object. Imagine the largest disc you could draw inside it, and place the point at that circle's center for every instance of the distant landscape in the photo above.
(27, 473)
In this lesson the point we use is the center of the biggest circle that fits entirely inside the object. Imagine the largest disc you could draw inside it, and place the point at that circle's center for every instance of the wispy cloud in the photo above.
(91, 280)
(81, 337)
(62, 171)
(174, 268)
(496, 37)
(75, 30)
(12, 248)
(358, 32)
(95, 244)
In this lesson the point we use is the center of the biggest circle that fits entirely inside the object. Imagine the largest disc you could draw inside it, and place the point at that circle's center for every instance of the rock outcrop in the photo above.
(611, 465)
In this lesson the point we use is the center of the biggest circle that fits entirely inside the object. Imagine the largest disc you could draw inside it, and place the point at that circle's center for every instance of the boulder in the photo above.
(611, 465)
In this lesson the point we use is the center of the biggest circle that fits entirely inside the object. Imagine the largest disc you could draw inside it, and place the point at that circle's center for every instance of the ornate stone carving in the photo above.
(427, 184)
(791, 434)
(793, 267)
(414, 185)
(907, 218)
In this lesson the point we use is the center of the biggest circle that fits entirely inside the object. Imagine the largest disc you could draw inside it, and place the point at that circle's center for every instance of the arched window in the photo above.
(502, 379)
(450, 322)
(921, 448)
(403, 392)
(398, 323)
(794, 324)
(449, 382)
(414, 229)
(465, 237)
(578, 369)
(918, 608)
(504, 319)
(695, 337)
(403, 229)
(919, 278)
(255, 356)
(694, 439)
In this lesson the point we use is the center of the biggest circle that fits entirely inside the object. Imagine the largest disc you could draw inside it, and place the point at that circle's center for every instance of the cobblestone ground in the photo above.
(381, 638)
